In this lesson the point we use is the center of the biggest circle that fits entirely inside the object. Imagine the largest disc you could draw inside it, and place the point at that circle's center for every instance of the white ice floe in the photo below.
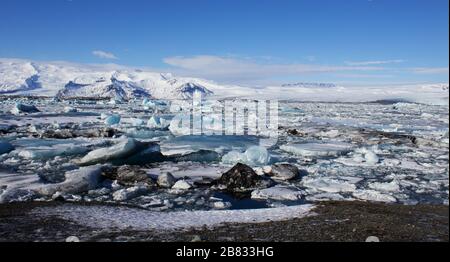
(124, 148)
(138, 219)
(255, 156)
(375, 196)
(47, 152)
(76, 181)
(136, 122)
(317, 149)
(385, 187)
(278, 193)
(329, 185)
(156, 122)
(326, 197)
(129, 193)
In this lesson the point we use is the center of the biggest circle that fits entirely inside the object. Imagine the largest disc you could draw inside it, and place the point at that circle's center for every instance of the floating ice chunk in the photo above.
(112, 120)
(367, 156)
(372, 195)
(22, 108)
(69, 109)
(278, 193)
(46, 152)
(221, 205)
(5, 147)
(182, 185)
(156, 122)
(330, 134)
(318, 149)
(137, 122)
(255, 156)
(329, 185)
(233, 157)
(77, 181)
(123, 149)
(103, 116)
(385, 187)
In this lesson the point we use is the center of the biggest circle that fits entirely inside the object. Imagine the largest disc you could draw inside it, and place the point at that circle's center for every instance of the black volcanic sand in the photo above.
(335, 221)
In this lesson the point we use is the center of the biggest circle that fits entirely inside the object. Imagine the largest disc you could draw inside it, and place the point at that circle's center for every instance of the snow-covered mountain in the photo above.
(67, 80)
(310, 85)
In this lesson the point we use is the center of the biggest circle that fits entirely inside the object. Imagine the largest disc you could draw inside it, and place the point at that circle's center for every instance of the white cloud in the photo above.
(431, 70)
(379, 62)
(238, 69)
(104, 55)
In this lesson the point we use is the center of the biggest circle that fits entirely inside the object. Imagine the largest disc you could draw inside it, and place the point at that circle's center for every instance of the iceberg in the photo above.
(159, 123)
(23, 108)
(112, 120)
(254, 156)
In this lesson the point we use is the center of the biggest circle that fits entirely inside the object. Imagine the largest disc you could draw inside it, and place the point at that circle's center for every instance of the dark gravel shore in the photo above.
(335, 221)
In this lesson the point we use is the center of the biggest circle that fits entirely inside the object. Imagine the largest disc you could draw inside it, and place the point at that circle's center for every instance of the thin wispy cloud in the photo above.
(104, 55)
(377, 62)
(431, 70)
(226, 68)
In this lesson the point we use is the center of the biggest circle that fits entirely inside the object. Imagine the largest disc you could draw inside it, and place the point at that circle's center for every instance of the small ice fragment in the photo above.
(278, 193)
(221, 205)
(372, 239)
(73, 239)
(182, 185)
(69, 109)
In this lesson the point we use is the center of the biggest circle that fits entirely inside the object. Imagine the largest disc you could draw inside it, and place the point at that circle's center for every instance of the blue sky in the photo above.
(235, 41)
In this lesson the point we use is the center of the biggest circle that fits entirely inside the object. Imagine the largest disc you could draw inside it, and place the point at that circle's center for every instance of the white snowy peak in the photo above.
(67, 80)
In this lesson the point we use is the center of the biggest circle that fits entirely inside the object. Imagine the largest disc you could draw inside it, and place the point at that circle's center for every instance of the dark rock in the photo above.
(284, 172)
(132, 175)
(74, 133)
(242, 178)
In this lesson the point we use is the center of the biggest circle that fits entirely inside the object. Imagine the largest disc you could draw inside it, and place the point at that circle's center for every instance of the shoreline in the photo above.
(332, 221)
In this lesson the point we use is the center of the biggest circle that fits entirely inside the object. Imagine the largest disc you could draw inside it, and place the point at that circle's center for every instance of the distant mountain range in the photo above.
(310, 85)
(66, 80)
(70, 80)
